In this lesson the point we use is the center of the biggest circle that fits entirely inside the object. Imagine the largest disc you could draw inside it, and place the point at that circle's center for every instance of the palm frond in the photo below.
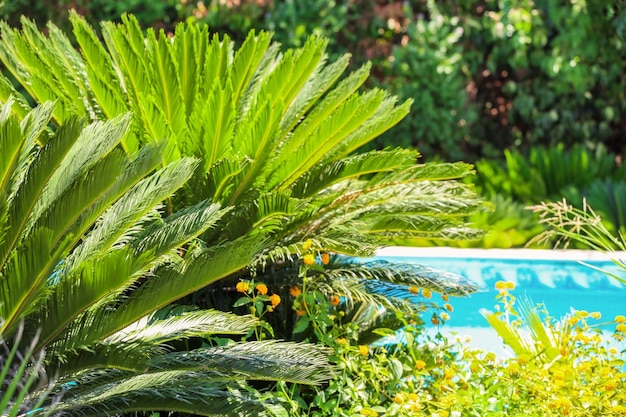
(185, 392)
(34, 184)
(190, 324)
(259, 360)
(132, 206)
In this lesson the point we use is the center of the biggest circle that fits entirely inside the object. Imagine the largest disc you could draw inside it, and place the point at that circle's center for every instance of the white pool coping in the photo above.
(522, 254)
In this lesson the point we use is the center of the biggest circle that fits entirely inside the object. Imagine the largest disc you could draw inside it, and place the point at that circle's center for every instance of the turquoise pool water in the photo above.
(556, 279)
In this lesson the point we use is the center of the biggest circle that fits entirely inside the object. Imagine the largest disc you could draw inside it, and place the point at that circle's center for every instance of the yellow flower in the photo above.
(621, 328)
(596, 315)
(448, 373)
(364, 350)
(308, 259)
(420, 364)
(582, 313)
(325, 258)
(504, 286)
(514, 368)
(620, 319)
(449, 307)
(500, 285)
(335, 300)
(307, 244)
(427, 293)
(399, 398)
(369, 412)
(261, 288)
(414, 290)
(242, 286)
(275, 299)
(558, 375)
(342, 341)
(610, 385)
(295, 291)
(445, 297)
(583, 367)
(523, 359)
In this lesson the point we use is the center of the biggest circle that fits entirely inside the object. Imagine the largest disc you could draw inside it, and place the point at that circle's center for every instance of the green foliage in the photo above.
(88, 262)
(549, 174)
(425, 66)
(260, 145)
(23, 382)
(508, 224)
(279, 153)
(487, 77)
(162, 13)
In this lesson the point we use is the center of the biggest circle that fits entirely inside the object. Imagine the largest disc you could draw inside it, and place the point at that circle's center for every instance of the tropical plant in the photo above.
(89, 266)
(276, 132)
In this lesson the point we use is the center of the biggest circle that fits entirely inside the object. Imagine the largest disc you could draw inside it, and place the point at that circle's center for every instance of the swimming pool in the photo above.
(554, 278)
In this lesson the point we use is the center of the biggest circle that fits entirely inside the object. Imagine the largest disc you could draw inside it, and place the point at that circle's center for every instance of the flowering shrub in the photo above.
(578, 371)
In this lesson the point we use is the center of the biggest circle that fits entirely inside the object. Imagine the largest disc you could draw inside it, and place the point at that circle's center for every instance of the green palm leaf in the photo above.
(87, 259)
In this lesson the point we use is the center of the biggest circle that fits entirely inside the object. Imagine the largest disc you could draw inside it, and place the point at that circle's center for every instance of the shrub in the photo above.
(559, 367)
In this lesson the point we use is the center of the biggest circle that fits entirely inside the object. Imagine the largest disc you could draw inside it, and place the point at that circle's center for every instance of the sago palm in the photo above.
(88, 265)
(277, 134)
(276, 131)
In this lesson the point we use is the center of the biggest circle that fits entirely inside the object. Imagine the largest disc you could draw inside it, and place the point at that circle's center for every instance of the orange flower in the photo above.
(335, 300)
(445, 298)
(449, 307)
(435, 319)
(427, 293)
(414, 290)
(364, 350)
(261, 288)
(275, 299)
(242, 286)
(300, 313)
(420, 364)
(610, 385)
(295, 291)
(308, 259)
(325, 258)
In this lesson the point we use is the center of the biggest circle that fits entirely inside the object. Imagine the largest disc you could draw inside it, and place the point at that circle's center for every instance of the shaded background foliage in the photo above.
(486, 75)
